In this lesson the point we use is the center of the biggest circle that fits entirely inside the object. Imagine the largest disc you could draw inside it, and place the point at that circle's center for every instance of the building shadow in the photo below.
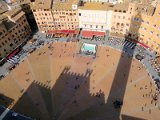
(43, 102)
(30, 17)
(117, 91)
(5, 100)
(70, 97)
(121, 76)
(127, 117)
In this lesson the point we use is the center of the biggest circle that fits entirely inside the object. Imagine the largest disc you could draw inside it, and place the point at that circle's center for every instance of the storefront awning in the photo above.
(63, 31)
(142, 44)
(13, 53)
(92, 33)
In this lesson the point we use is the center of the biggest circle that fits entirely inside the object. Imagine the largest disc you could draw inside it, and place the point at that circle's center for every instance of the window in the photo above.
(90, 26)
(96, 26)
(11, 45)
(79, 14)
(101, 27)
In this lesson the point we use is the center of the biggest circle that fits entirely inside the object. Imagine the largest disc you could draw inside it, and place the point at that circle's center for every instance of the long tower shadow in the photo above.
(111, 110)
(121, 76)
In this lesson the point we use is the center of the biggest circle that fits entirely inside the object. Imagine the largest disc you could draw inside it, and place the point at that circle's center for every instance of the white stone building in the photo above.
(95, 19)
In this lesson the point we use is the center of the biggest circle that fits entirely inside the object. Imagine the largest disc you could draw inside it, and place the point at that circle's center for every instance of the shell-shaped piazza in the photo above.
(57, 83)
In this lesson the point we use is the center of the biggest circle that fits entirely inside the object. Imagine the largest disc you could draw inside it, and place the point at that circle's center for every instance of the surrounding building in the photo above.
(14, 30)
(25, 6)
(43, 14)
(95, 16)
(56, 14)
(65, 14)
(132, 18)
(150, 29)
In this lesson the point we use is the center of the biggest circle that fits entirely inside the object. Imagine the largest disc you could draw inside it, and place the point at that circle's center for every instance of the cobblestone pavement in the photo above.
(138, 50)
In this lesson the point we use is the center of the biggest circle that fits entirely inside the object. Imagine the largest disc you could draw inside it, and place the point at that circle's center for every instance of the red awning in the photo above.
(13, 53)
(51, 31)
(63, 31)
(145, 46)
(142, 44)
(91, 33)
(87, 34)
(99, 33)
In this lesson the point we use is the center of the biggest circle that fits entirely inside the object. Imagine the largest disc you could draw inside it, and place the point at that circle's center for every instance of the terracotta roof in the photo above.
(66, 5)
(13, 12)
(104, 6)
(3, 7)
(42, 4)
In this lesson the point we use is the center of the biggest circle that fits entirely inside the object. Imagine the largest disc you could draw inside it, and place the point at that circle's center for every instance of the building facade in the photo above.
(43, 15)
(65, 14)
(95, 17)
(150, 29)
(137, 20)
(14, 30)
(56, 15)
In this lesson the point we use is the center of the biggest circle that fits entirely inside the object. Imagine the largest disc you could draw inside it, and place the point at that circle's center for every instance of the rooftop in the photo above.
(9, 24)
(23, 2)
(13, 12)
(65, 5)
(3, 7)
(16, 17)
(103, 6)
(42, 4)
(3, 17)
(146, 9)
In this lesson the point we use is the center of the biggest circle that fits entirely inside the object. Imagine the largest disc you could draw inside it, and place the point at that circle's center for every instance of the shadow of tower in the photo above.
(68, 92)
(121, 76)
(118, 87)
